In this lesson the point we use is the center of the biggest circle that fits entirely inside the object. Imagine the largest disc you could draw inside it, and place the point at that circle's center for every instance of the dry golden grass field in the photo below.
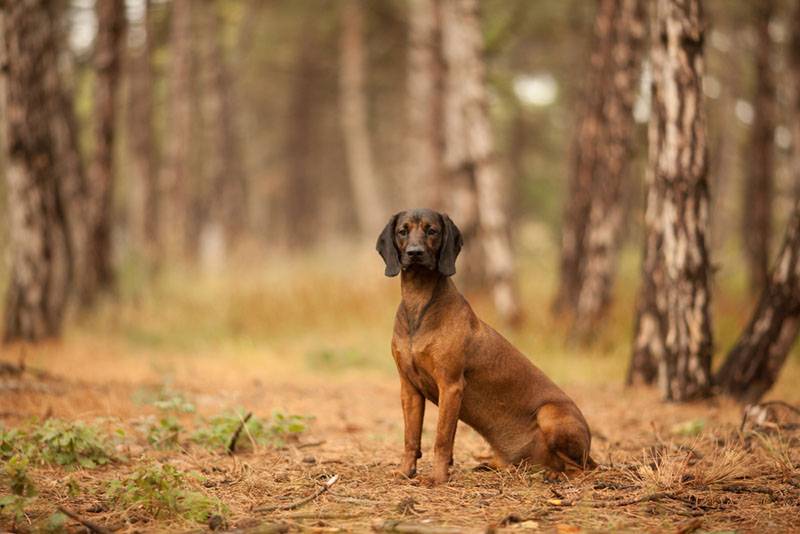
(140, 402)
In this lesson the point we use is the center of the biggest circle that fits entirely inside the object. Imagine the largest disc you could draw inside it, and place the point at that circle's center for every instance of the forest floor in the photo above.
(141, 403)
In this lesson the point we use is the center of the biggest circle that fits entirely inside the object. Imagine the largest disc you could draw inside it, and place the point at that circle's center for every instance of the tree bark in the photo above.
(757, 199)
(753, 364)
(425, 105)
(99, 274)
(673, 324)
(175, 178)
(144, 197)
(370, 211)
(475, 185)
(39, 239)
(794, 69)
(595, 207)
(227, 210)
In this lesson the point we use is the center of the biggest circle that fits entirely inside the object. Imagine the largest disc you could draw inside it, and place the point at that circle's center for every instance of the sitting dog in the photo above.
(445, 354)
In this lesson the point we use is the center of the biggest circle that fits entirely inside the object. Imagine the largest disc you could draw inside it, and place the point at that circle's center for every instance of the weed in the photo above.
(160, 489)
(20, 485)
(164, 432)
(165, 399)
(216, 432)
(67, 443)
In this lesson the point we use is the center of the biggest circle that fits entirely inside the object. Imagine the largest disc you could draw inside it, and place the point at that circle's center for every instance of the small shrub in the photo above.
(216, 432)
(59, 442)
(20, 485)
(159, 489)
(165, 399)
(163, 432)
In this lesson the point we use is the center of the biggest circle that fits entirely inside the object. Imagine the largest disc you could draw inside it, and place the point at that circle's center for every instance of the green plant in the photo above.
(55, 441)
(216, 432)
(165, 399)
(160, 489)
(164, 432)
(20, 485)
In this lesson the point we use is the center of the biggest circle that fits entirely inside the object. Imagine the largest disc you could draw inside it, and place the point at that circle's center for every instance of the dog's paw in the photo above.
(431, 481)
(406, 473)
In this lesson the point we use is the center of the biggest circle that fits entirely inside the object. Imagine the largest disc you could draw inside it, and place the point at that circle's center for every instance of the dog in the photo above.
(447, 355)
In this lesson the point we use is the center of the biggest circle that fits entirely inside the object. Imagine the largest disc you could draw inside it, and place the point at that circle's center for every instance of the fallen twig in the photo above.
(296, 504)
(235, 438)
(310, 444)
(738, 488)
(644, 498)
(393, 525)
(93, 527)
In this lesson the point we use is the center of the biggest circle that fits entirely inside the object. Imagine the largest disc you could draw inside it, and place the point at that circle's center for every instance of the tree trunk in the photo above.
(175, 188)
(757, 200)
(673, 325)
(39, 239)
(144, 198)
(228, 206)
(475, 184)
(595, 207)
(99, 274)
(425, 106)
(370, 211)
(794, 69)
(753, 363)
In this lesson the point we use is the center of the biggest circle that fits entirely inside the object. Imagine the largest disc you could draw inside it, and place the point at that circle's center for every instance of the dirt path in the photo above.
(664, 467)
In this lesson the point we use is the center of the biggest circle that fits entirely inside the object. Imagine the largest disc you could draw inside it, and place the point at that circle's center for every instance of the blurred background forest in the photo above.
(226, 165)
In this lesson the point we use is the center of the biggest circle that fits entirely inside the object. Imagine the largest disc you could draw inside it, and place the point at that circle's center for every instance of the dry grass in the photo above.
(311, 337)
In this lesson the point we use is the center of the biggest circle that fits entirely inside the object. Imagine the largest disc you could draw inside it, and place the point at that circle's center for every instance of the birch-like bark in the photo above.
(39, 238)
(753, 364)
(604, 149)
(475, 186)
(370, 211)
(673, 325)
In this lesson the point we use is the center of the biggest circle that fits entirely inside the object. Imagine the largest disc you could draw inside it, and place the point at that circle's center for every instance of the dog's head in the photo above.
(420, 238)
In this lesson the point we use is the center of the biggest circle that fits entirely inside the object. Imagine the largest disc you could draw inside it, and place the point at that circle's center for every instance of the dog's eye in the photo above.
(402, 232)
(432, 231)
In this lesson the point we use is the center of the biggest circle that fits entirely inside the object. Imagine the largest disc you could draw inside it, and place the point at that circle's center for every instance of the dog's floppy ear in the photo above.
(450, 247)
(387, 248)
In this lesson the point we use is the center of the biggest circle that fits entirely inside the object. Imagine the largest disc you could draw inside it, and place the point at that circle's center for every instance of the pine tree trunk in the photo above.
(604, 150)
(475, 184)
(99, 275)
(757, 200)
(175, 180)
(425, 106)
(370, 211)
(794, 69)
(223, 164)
(673, 326)
(144, 197)
(753, 364)
(39, 240)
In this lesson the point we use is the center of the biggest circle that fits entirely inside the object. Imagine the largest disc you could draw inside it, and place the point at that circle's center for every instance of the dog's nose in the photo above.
(414, 251)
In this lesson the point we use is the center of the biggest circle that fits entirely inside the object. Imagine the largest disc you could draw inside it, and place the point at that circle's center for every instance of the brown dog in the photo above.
(445, 354)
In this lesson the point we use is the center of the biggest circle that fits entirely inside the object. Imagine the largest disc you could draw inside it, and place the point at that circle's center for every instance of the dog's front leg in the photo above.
(413, 415)
(450, 395)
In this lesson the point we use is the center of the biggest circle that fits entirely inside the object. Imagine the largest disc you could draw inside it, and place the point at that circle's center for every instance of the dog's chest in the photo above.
(415, 362)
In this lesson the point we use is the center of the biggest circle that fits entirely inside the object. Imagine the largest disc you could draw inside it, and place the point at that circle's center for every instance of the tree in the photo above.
(99, 273)
(673, 324)
(353, 106)
(175, 178)
(39, 236)
(474, 183)
(757, 199)
(144, 197)
(594, 209)
(752, 365)
(425, 85)
(227, 199)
